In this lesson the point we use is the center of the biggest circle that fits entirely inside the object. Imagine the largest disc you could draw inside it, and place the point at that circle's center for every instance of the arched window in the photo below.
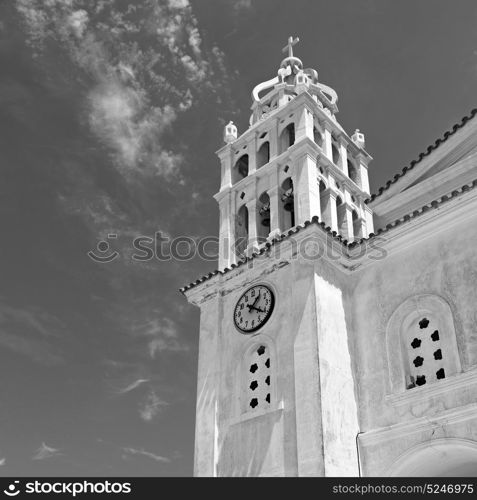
(263, 228)
(342, 220)
(240, 169)
(288, 205)
(241, 231)
(421, 343)
(258, 388)
(335, 153)
(263, 154)
(324, 203)
(287, 137)
(317, 137)
(353, 172)
(357, 225)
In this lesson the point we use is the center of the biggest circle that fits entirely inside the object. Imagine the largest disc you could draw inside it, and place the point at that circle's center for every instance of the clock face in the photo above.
(254, 308)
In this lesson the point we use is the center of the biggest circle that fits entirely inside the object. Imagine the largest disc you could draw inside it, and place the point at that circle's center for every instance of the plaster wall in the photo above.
(311, 424)
(444, 264)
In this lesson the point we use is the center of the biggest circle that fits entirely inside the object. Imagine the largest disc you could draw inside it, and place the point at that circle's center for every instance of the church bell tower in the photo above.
(276, 394)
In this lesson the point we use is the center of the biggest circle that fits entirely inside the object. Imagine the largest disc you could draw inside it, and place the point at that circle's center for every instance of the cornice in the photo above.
(401, 430)
(425, 393)
(402, 233)
(430, 149)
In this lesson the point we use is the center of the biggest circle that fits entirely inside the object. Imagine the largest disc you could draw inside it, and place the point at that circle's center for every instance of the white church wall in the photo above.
(313, 406)
(444, 265)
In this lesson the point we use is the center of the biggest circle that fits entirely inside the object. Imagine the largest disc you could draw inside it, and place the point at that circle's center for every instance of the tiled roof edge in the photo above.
(422, 155)
(315, 220)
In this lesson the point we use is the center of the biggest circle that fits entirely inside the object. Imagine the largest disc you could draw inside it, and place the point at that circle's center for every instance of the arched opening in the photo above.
(341, 214)
(263, 154)
(357, 225)
(241, 231)
(324, 203)
(426, 355)
(258, 389)
(448, 457)
(421, 344)
(335, 153)
(240, 169)
(288, 205)
(263, 229)
(287, 137)
(353, 172)
(317, 137)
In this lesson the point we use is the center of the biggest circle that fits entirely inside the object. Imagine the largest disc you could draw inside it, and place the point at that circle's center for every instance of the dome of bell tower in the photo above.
(292, 79)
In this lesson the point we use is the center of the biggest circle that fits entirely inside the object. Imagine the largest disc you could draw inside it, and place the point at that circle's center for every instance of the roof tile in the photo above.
(422, 155)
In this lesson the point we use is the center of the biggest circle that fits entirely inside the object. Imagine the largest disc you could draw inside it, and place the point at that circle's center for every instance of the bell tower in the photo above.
(294, 162)
(276, 394)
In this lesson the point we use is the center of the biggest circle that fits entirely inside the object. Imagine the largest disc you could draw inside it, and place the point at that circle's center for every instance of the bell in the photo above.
(243, 169)
(288, 206)
(266, 222)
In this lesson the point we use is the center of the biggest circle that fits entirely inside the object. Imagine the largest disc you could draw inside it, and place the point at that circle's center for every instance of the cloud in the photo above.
(145, 64)
(240, 5)
(3, 461)
(45, 452)
(78, 21)
(165, 336)
(152, 406)
(123, 118)
(140, 452)
(133, 386)
(31, 332)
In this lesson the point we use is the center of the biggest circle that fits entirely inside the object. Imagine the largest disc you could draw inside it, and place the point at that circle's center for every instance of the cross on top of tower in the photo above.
(289, 46)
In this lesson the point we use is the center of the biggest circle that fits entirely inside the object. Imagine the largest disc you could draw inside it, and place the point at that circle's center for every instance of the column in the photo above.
(275, 207)
(273, 136)
(252, 225)
(339, 421)
(227, 231)
(327, 142)
(363, 173)
(344, 156)
(206, 424)
(349, 223)
(252, 154)
(306, 189)
(282, 96)
(225, 156)
(369, 227)
(304, 125)
(308, 412)
(333, 214)
(330, 214)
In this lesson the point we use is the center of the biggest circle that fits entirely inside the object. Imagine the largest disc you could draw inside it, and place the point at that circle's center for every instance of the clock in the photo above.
(254, 308)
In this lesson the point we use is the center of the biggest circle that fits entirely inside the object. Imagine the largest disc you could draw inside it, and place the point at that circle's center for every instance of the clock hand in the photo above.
(257, 309)
(250, 306)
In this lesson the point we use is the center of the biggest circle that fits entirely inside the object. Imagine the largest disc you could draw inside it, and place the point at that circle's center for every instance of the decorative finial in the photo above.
(358, 138)
(230, 132)
(289, 46)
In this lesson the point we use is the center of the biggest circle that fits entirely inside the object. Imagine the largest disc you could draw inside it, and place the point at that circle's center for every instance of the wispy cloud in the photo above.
(133, 386)
(152, 406)
(45, 452)
(162, 335)
(145, 62)
(3, 461)
(242, 5)
(32, 332)
(128, 452)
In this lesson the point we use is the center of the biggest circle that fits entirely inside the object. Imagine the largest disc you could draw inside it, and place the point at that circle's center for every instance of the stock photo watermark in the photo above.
(163, 248)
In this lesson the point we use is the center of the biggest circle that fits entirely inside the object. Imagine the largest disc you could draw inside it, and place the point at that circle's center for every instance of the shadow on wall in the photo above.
(449, 457)
(253, 447)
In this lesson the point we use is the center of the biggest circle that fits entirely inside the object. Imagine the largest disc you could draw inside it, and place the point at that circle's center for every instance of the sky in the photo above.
(110, 114)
